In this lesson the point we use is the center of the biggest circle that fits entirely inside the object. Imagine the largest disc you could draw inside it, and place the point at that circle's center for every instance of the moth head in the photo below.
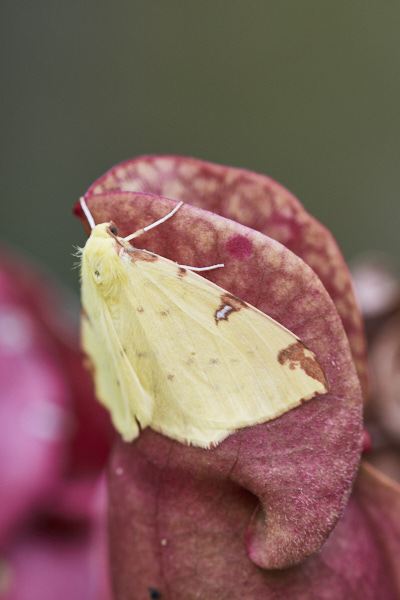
(100, 257)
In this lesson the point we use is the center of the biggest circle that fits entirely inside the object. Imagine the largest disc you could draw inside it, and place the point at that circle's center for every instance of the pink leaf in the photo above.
(269, 495)
(258, 202)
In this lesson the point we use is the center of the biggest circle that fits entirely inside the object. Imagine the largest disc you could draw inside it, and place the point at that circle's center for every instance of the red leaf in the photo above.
(184, 537)
(258, 202)
(175, 510)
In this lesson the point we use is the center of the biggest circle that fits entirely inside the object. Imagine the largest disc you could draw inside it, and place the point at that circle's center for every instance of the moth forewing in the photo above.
(235, 363)
(104, 283)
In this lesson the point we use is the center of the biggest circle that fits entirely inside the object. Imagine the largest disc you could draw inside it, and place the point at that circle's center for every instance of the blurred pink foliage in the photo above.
(54, 443)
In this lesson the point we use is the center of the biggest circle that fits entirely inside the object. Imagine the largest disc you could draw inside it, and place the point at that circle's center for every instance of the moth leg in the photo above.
(202, 268)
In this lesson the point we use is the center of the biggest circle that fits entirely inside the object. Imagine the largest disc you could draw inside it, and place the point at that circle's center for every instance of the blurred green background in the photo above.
(306, 92)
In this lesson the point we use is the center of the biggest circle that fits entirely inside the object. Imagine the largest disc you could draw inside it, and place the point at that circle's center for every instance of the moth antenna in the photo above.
(202, 268)
(141, 231)
(87, 212)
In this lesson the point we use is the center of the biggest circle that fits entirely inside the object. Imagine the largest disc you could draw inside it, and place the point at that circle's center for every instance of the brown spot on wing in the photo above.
(229, 304)
(233, 301)
(297, 355)
(137, 254)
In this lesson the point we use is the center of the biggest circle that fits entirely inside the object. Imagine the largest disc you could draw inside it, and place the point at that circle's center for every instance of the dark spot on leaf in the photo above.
(170, 376)
(164, 313)
(140, 309)
(239, 246)
(154, 594)
(297, 355)
(214, 361)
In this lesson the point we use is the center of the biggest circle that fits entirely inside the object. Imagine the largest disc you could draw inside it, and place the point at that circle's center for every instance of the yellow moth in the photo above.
(175, 352)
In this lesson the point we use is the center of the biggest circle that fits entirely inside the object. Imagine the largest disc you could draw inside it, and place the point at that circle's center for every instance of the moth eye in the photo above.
(113, 229)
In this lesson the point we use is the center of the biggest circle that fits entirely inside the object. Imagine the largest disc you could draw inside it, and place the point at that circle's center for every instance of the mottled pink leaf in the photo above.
(300, 466)
(258, 202)
(185, 537)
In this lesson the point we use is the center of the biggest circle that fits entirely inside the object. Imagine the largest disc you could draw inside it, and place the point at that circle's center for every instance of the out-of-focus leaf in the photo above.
(48, 475)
